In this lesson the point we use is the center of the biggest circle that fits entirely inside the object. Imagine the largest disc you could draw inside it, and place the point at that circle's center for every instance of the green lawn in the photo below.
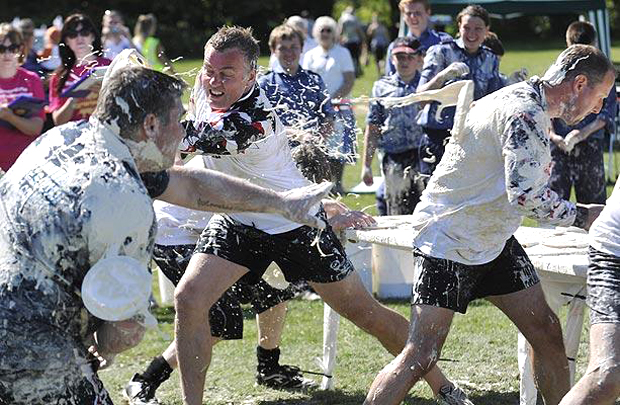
(480, 353)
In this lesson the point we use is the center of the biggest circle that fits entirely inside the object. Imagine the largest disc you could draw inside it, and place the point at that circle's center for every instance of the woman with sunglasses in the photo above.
(334, 64)
(16, 131)
(80, 51)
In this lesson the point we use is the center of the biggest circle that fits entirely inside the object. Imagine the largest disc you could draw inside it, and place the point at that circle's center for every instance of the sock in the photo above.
(157, 372)
(267, 359)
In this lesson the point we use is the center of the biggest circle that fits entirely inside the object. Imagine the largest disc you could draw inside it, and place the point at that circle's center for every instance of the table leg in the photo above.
(331, 322)
(574, 326)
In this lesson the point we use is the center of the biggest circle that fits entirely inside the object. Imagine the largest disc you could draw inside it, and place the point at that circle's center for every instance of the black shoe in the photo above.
(140, 392)
(284, 377)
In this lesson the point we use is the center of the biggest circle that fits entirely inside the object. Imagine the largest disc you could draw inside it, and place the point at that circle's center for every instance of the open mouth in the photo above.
(214, 93)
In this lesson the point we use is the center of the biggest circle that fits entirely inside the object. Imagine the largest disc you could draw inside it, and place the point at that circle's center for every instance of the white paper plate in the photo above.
(117, 288)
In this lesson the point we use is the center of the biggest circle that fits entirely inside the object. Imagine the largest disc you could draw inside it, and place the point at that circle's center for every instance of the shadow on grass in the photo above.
(495, 398)
(338, 397)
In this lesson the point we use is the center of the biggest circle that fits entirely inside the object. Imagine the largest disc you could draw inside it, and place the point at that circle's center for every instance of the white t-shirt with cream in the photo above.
(492, 174)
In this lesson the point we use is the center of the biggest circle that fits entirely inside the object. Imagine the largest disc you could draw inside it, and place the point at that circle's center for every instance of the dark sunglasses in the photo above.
(11, 48)
(84, 32)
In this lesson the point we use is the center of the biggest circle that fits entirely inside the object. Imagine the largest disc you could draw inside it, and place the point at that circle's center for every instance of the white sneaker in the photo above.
(140, 392)
(452, 395)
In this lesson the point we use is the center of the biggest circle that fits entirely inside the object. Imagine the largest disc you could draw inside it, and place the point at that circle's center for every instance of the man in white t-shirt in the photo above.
(494, 172)
(80, 195)
(233, 119)
(601, 382)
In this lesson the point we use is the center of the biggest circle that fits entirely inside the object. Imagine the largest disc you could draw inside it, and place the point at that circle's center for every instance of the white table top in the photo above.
(560, 251)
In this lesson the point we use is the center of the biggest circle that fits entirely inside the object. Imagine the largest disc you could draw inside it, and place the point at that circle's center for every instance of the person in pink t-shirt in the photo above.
(80, 51)
(16, 132)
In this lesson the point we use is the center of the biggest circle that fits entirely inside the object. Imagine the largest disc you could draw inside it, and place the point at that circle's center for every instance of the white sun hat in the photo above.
(118, 288)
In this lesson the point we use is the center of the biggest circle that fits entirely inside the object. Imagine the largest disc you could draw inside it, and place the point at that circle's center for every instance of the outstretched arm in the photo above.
(209, 190)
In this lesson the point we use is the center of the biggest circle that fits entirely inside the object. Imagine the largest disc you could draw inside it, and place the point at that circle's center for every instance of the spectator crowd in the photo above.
(525, 146)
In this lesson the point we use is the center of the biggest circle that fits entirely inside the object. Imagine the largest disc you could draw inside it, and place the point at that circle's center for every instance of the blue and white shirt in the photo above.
(399, 131)
(301, 101)
(483, 70)
(427, 39)
(607, 114)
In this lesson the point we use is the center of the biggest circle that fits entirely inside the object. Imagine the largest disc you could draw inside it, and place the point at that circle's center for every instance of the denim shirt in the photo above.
(300, 101)
(483, 70)
(607, 114)
(427, 39)
(399, 131)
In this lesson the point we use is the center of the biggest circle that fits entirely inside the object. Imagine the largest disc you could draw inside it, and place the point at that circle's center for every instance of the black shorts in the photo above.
(226, 315)
(295, 252)
(452, 285)
(603, 287)
(379, 52)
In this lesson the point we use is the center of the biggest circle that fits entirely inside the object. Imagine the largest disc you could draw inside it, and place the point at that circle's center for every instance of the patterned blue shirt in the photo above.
(427, 39)
(607, 114)
(301, 100)
(399, 131)
(483, 70)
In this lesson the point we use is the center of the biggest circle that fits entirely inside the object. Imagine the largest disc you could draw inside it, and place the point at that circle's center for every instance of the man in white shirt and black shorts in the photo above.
(495, 171)
(233, 119)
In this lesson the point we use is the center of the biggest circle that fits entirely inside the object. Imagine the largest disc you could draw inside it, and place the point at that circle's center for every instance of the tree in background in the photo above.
(183, 25)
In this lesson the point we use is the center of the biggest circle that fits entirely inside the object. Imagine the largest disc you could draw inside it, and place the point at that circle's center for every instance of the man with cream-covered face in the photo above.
(494, 172)
(79, 199)
(232, 118)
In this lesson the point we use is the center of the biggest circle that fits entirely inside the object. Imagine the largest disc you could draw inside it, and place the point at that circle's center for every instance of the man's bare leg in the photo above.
(207, 277)
(350, 299)
(529, 311)
(270, 325)
(600, 385)
(429, 329)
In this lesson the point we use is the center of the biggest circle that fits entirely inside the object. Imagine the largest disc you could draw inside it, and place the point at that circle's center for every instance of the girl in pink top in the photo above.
(16, 132)
(80, 51)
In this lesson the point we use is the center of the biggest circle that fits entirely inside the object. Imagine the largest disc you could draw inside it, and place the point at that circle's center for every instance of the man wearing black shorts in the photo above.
(494, 172)
(233, 118)
(77, 195)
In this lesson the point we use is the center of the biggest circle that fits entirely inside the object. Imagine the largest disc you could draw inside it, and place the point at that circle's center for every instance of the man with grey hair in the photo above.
(78, 196)
(494, 172)
(232, 117)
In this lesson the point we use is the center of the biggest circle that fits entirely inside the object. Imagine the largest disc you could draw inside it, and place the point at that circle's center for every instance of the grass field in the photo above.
(480, 353)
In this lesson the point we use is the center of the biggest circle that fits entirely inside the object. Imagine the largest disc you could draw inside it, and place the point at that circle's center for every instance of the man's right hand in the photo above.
(367, 176)
(296, 203)
(587, 214)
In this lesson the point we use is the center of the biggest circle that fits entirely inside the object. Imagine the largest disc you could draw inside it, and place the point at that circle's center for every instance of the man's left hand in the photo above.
(573, 138)
(351, 219)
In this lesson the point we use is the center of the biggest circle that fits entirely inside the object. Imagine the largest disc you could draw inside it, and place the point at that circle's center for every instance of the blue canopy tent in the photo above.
(595, 10)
